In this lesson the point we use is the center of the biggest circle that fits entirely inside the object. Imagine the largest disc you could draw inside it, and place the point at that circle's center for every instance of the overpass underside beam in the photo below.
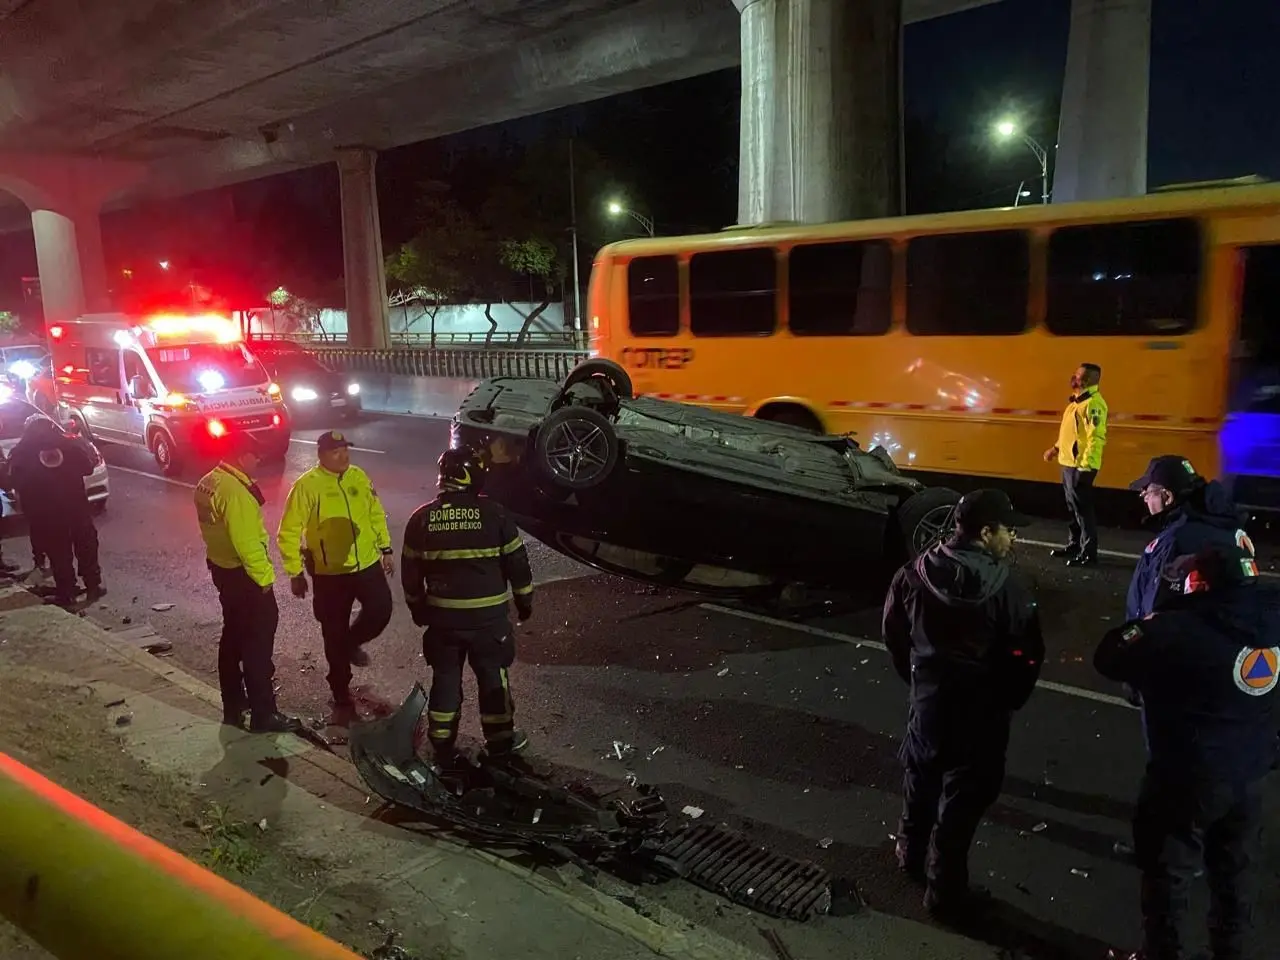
(820, 110)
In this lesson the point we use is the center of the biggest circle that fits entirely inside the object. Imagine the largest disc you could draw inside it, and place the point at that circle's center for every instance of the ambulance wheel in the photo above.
(166, 453)
(576, 448)
(924, 518)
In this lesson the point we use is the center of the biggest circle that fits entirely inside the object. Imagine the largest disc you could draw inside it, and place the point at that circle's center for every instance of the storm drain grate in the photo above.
(727, 863)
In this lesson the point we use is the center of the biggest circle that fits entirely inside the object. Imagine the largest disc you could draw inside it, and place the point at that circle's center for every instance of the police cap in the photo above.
(1174, 473)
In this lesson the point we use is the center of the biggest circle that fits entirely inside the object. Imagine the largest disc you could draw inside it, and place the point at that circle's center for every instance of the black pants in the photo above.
(953, 769)
(335, 596)
(249, 620)
(70, 540)
(490, 650)
(1177, 827)
(1077, 485)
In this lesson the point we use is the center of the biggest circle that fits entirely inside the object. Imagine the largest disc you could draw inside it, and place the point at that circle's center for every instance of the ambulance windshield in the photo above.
(195, 368)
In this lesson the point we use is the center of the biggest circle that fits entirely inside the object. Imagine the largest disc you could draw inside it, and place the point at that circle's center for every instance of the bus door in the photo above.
(1250, 438)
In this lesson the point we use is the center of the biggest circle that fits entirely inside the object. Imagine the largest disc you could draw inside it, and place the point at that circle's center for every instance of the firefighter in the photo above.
(461, 551)
(965, 635)
(48, 468)
(229, 508)
(1206, 667)
(335, 528)
(1081, 440)
(1190, 514)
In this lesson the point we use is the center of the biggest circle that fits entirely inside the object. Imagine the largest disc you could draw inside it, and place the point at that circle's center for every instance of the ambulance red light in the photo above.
(217, 429)
(275, 419)
(56, 331)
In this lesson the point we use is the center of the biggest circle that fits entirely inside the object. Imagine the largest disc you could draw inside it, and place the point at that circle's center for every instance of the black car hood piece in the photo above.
(502, 804)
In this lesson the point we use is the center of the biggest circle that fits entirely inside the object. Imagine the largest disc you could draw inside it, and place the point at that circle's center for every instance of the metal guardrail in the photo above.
(87, 887)
(460, 364)
(541, 339)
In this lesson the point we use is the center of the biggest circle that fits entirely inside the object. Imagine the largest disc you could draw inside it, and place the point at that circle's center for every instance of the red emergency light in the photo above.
(217, 429)
(56, 331)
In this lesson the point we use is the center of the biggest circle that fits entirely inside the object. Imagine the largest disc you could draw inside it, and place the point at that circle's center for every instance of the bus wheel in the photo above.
(588, 370)
(926, 517)
(165, 453)
(576, 448)
(792, 416)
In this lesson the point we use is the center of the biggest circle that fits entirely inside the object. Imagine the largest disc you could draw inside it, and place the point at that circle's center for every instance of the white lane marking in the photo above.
(152, 476)
(314, 442)
(1079, 692)
(1119, 554)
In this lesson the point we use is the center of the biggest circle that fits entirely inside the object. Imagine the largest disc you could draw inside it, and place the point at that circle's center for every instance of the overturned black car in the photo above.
(685, 497)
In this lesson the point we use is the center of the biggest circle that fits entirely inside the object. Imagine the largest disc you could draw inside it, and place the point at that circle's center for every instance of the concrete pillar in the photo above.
(73, 274)
(368, 323)
(1102, 133)
(820, 110)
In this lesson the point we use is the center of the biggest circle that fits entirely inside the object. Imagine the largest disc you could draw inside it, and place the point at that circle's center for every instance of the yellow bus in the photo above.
(949, 339)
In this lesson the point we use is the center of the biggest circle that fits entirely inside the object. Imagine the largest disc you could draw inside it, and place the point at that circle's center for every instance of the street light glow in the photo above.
(1006, 128)
(615, 207)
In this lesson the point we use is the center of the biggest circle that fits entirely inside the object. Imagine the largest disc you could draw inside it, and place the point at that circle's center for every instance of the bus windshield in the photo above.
(206, 367)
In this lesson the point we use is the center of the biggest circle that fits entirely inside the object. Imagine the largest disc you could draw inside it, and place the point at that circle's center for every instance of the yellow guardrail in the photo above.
(87, 887)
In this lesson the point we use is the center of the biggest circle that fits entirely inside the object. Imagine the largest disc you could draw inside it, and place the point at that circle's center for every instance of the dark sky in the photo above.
(673, 149)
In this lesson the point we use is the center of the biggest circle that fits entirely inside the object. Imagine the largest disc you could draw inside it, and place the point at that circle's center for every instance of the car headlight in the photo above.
(23, 369)
(303, 394)
(353, 389)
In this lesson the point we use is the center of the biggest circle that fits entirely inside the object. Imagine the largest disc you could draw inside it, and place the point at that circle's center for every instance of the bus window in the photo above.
(1124, 279)
(840, 289)
(969, 284)
(733, 293)
(653, 296)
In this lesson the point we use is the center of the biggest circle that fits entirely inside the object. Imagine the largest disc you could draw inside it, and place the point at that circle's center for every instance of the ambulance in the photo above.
(172, 384)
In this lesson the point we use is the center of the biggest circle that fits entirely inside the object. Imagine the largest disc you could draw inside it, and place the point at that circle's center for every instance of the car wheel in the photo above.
(165, 453)
(576, 448)
(926, 517)
(588, 370)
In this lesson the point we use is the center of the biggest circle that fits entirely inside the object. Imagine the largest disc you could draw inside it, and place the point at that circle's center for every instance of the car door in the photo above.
(134, 418)
(105, 404)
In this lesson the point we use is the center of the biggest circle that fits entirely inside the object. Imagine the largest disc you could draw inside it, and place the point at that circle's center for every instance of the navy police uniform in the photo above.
(463, 558)
(965, 634)
(1206, 668)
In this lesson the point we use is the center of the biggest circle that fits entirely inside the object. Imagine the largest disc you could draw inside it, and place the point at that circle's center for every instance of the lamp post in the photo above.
(616, 209)
(1006, 130)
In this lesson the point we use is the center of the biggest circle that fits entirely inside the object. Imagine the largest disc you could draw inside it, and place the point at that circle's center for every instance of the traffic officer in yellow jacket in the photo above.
(461, 551)
(334, 528)
(229, 508)
(1081, 440)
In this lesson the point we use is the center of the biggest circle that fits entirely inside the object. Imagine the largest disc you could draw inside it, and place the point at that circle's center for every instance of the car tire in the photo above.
(614, 373)
(924, 518)
(165, 452)
(562, 440)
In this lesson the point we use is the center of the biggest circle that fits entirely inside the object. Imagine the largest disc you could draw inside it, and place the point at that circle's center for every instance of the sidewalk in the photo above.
(301, 827)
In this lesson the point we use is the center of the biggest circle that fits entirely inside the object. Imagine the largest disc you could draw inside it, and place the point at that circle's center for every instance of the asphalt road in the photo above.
(785, 728)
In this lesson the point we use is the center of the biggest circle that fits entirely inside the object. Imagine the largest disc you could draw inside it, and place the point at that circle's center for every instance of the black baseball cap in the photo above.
(988, 507)
(332, 440)
(1174, 473)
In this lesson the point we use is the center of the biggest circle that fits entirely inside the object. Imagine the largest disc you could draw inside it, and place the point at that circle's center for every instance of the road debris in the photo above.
(654, 752)
(623, 751)
(124, 720)
(162, 607)
(693, 813)
(1040, 827)
(1080, 872)
(115, 703)
(825, 843)
(722, 673)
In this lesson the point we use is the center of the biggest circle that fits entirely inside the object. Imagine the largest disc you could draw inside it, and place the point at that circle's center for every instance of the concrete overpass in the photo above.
(102, 104)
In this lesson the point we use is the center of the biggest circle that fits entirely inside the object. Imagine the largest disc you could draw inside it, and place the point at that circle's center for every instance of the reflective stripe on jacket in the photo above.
(338, 519)
(1083, 433)
(231, 524)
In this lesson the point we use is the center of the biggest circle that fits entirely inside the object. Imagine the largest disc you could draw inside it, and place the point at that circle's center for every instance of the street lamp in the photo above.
(1007, 130)
(616, 210)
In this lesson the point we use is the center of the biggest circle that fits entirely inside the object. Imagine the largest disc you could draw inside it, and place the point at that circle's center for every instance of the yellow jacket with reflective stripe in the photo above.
(231, 524)
(1083, 433)
(338, 519)
(461, 551)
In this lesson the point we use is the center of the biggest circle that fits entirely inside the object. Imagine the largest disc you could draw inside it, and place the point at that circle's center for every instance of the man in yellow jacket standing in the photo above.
(1081, 439)
(334, 528)
(229, 508)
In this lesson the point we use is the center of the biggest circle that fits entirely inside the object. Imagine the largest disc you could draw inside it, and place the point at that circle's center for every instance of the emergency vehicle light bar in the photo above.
(171, 325)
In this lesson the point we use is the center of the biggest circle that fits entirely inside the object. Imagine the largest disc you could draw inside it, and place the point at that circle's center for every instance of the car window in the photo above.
(296, 364)
(104, 367)
(13, 415)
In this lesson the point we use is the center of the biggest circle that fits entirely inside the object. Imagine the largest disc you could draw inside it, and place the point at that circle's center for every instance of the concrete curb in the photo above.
(669, 935)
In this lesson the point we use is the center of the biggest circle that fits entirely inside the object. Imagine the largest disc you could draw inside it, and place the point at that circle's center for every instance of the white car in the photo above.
(13, 415)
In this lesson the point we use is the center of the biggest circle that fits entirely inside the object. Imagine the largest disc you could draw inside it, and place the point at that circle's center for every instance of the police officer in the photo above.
(334, 526)
(1081, 440)
(229, 509)
(965, 634)
(461, 551)
(47, 469)
(1206, 667)
(1191, 514)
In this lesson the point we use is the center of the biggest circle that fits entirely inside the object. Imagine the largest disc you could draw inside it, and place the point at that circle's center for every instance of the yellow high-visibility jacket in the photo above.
(337, 519)
(1083, 433)
(231, 524)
